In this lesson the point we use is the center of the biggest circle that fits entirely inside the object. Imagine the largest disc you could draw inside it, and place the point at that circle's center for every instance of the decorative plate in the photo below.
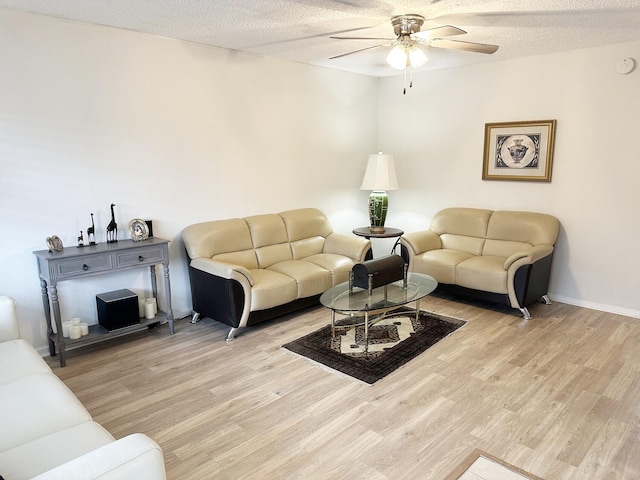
(54, 243)
(138, 230)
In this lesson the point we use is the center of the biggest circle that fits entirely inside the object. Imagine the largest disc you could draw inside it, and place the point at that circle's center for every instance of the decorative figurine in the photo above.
(80, 240)
(112, 228)
(91, 232)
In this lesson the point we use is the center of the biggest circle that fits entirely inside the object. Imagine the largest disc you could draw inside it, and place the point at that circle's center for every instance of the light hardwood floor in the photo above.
(557, 396)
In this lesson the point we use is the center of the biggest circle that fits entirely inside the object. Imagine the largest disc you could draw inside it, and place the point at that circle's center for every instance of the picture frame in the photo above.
(519, 150)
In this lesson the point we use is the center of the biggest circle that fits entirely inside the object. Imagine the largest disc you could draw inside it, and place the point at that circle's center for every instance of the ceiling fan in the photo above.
(406, 54)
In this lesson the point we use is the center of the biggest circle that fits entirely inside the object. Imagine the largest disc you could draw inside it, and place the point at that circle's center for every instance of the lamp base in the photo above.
(378, 206)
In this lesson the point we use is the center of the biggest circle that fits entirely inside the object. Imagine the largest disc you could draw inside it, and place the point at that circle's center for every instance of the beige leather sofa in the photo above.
(46, 433)
(247, 270)
(498, 256)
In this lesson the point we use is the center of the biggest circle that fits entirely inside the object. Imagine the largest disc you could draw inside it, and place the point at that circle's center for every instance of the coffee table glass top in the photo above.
(387, 297)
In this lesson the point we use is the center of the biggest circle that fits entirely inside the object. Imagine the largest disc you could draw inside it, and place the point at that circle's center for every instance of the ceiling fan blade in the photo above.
(466, 46)
(437, 32)
(364, 38)
(355, 51)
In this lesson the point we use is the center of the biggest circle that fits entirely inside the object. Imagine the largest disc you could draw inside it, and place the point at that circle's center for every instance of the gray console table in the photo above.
(80, 262)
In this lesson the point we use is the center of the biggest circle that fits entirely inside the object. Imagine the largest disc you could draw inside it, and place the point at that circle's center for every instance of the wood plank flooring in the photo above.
(557, 396)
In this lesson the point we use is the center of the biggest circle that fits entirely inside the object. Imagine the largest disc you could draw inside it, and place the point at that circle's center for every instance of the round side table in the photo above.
(388, 233)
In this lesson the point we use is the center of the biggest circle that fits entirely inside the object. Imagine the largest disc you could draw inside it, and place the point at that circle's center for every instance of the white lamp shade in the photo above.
(397, 57)
(380, 173)
(417, 57)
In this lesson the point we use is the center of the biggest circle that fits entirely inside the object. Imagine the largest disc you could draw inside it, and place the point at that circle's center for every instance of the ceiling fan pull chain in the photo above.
(410, 68)
(404, 90)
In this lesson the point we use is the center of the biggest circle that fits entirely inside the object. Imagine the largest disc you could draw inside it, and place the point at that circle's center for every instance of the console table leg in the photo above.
(167, 294)
(55, 306)
(47, 316)
(154, 281)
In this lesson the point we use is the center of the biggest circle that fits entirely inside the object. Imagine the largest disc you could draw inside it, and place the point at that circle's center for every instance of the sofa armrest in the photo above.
(9, 329)
(352, 247)
(420, 242)
(135, 456)
(222, 269)
(531, 255)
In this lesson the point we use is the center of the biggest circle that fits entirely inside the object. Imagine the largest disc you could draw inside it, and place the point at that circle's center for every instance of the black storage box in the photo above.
(378, 272)
(117, 309)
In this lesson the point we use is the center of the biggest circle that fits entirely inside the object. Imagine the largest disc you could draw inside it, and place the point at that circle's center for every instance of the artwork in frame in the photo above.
(519, 150)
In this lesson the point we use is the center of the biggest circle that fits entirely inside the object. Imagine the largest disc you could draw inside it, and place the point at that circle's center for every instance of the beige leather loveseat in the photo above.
(498, 256)
(247, 270)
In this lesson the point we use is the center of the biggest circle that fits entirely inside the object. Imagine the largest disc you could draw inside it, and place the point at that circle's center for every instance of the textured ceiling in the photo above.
(299, 30)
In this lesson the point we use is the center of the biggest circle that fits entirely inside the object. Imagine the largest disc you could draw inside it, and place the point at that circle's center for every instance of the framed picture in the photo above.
(519, 150)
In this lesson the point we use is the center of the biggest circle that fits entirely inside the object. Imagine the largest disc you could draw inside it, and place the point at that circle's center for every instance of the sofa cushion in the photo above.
(469, 222)
(219, 236)
(271, 289)
(44, 453)
(310, 278)
(503, 248)
(485, 273)
(305, 222)
(338, 265)
(244, 258)
(273, 254)
(22, 359)
(525, 227)
(307, 247)
(440, 264)
(266, 229)
(472, 245)
(37, 405)
(135, 456)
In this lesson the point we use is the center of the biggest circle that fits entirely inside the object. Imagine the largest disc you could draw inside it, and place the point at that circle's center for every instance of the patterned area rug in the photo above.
(392, 343)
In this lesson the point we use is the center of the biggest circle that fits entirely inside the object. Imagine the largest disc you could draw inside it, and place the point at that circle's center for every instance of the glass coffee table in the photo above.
(362, 309)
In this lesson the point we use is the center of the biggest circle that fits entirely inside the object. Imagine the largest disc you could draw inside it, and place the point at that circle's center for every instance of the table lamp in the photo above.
(379, 177)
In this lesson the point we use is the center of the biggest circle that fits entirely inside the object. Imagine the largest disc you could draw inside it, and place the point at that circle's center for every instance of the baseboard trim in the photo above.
(603, 307)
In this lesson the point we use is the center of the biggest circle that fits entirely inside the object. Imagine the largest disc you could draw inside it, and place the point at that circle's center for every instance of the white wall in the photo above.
(181, 133)
(168, 131)
(436, 133)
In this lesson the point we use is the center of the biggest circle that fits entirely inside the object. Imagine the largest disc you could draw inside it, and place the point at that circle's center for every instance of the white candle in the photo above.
(149, 311)
(74, 332)
(65, 328)
(84, 328)
(155, 304)
(75, 321)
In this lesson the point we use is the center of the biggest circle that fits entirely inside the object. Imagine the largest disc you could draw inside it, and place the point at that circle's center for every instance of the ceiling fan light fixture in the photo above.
(406, 54)
(398, 57)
